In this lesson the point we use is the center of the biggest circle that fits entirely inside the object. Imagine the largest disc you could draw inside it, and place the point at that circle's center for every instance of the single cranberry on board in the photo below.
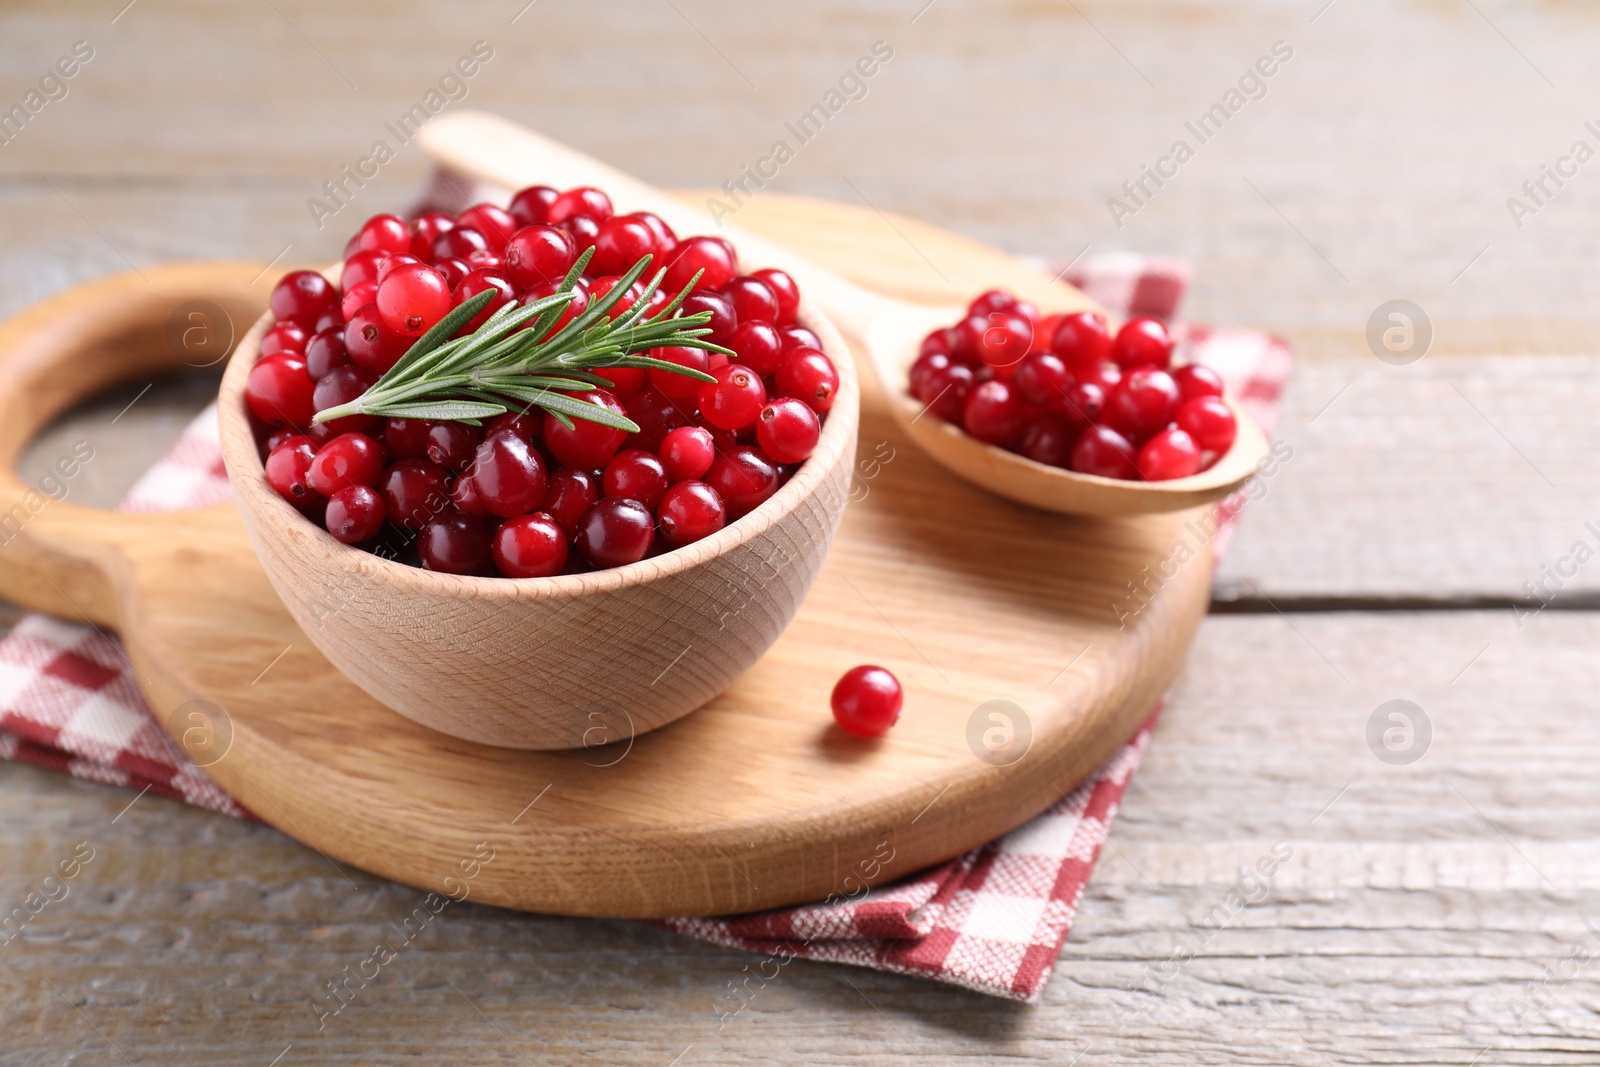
(867, 701)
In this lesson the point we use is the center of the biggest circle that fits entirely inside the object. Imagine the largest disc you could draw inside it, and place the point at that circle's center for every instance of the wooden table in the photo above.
(1436, 912)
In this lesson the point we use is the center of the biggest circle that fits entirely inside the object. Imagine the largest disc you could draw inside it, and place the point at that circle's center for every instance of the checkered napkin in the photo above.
(992, 920)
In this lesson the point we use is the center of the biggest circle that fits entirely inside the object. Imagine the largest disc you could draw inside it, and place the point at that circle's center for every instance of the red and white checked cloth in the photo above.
(992, 920)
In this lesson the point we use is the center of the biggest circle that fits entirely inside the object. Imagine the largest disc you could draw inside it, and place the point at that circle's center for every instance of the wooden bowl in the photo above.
(539, 663)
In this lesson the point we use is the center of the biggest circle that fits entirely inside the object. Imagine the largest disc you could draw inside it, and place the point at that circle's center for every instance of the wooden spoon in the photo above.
(488, 148)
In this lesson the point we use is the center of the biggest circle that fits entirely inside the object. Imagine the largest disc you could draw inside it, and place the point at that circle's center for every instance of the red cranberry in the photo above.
(494, 222)
(1210, 422)
(945, 391)
(625, 381)
(936, 343)
(1083, 403)
(452, 445)
(284, 337)
(373, 346)
(361, 268)
(481, 281)
(1195, 381)
(530, 546)
(349, 459)
(458, 243)
(525, 425)
(464, 495)
(615, 531)
(414, 491)
(744, 477)
(385, 234)
(355, 514)
(1142, 342)
(602, 287)
(406, 438)
(784, 288)
(1082, 336)
(425, 230)
(301, 296)
(788, 430)
(340, 386)
(569, 495)
(575, 307)
(991, 300)
(1049, 440)
(279, 393)
(665, 240)
(532, 205)
(1041, 379)
(697, 254)
(795, 336)
(585, 231)
(413, 297)
(636, 474)
(756, 345)
(453, 543)
(734, 400)
(753, 299)
(287, 466)
(622, 241)
(357, 297)
(1171, 453)
(1103, 451)
(326, 351)
(806, 374)
(455, 271)
(689, 512)
(509, 475)
(994, 414)
(588, 445)
(687, 453)
(1005, 339)
(656, 415)
(583, 200)
(723, 321)
(866, 701)
(1143, 402)
(680, 387)
(924, 368)
(540, 254)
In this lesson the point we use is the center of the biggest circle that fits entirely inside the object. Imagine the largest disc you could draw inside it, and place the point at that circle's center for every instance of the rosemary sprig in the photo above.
(509, 363)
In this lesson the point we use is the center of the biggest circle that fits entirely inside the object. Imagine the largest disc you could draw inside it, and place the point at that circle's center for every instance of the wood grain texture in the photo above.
(1403, 929)
(754, 801)
(1391, 143)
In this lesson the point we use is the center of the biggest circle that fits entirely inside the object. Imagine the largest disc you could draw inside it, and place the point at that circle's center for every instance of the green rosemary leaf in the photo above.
(519, 358)
(443, 330)
(445, 410)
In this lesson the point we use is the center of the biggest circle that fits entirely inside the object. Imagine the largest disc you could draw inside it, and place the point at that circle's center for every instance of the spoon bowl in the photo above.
(488, 149)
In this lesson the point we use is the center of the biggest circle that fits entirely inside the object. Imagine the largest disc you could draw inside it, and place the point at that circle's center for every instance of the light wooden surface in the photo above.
(783, 805)
(1410, 922)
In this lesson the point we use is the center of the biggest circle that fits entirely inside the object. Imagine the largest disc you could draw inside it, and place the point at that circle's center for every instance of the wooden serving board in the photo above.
(752, 802)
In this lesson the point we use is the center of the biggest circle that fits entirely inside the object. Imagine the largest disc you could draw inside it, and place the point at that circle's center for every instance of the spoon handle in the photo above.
(491, 149)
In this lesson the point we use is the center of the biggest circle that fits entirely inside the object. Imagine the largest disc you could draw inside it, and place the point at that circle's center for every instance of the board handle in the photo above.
(57, 556)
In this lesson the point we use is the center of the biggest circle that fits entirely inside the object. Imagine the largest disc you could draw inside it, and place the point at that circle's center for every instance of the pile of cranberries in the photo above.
(1062, 390)
(525, 495)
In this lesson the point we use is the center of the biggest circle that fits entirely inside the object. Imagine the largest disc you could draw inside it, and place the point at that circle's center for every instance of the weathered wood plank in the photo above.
(1452, 479)
(1408, 917)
